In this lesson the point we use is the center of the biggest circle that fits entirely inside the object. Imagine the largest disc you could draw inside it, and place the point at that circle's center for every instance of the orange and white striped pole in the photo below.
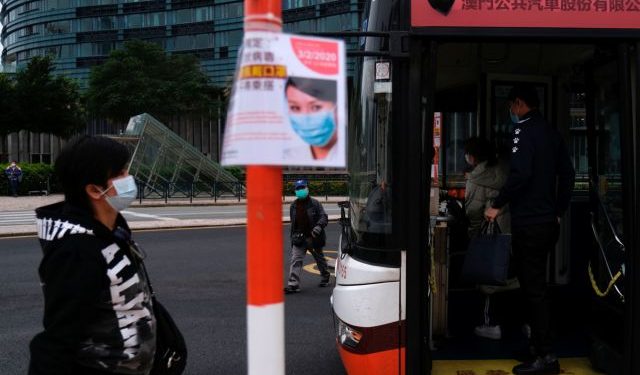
(265, 296)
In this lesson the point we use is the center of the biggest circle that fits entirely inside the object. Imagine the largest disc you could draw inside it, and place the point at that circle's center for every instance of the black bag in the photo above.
(298, 239)
(487, 258)
(171, 350)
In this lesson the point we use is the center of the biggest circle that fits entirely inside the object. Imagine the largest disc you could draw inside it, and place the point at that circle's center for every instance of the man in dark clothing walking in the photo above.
(538, 191)
(98, 315)
(308, 221)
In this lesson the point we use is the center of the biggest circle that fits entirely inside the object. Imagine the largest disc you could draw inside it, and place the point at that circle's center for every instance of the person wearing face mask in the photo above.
(538, 191)
(313, 116)
(308, 220)
(484, 181)
(98, 315)
(14, 175)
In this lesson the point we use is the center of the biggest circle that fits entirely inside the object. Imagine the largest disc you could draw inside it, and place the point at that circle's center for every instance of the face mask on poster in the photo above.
(315, 129)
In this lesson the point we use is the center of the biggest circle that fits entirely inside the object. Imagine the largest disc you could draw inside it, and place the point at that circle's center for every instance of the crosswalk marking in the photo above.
(148, 216)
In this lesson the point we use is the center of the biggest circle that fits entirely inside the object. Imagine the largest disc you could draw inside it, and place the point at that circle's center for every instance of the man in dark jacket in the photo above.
(538, 191)
(308, 221)
(98, 315)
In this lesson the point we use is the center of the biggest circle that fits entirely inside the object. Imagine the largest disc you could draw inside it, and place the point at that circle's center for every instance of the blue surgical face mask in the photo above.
(302, 193)
(126, 192)
(315, 129)
(514, 118)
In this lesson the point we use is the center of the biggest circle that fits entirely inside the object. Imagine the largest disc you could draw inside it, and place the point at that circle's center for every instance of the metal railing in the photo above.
(216, 190)
(233, 190)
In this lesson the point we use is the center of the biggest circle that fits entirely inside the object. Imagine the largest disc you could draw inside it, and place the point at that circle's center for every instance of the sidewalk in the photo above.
(33, 202)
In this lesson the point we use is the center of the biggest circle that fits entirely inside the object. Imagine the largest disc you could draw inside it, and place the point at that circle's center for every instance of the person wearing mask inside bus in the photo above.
(538, 191)
(308, 220)
(313, 117)
(483, 184)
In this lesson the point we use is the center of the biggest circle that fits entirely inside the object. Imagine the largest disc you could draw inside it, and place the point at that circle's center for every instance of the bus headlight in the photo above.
(347, 335)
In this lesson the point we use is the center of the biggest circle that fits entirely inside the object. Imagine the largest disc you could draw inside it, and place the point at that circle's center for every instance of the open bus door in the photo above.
(589, 91)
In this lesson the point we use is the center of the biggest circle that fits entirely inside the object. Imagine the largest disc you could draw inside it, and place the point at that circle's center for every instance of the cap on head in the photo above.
(300, 184)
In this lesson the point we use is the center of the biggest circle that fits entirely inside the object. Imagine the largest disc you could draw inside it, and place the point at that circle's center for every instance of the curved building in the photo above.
(81, 33)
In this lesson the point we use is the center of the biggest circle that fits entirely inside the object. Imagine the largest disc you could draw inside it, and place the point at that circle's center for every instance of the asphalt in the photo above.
(33, 202)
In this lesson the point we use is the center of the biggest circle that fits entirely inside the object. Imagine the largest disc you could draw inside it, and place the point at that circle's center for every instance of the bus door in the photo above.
(585, 90)
(608, 119)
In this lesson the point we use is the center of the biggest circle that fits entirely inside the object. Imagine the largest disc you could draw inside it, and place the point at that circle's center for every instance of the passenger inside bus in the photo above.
(483, 183)
(472, 84)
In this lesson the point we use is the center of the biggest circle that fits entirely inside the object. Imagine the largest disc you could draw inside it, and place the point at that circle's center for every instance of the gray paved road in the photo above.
(163, 213)
(199, 275)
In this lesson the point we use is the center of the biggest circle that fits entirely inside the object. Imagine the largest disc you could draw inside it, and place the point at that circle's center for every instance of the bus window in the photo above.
(457, 99)
(370, 158)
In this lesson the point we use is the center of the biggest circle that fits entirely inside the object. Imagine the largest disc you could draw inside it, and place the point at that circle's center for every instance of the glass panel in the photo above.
(608, 145)
(133, 20)
(163, 160)
(184, 16)
(370, 157)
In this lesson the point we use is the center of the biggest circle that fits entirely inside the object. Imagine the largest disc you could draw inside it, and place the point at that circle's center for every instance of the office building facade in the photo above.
(80, 34)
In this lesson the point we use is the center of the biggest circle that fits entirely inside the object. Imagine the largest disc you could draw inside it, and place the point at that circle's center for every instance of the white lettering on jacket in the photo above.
(49, 229)
(128, 312)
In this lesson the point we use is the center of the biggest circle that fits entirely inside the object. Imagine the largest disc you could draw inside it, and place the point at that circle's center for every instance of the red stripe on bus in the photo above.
(390, 362)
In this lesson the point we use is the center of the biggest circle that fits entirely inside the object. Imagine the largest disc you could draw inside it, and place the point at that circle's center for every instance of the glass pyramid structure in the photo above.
(165, 165)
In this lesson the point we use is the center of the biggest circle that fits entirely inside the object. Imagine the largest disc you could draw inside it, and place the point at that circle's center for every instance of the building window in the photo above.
(204, 41)
(107, 22)
(133, 20)
(154, 19)
(290, 4)
(229, 10)
(204, 14)
(340, 22)
(57, 4)
(224, 52)
(60, 27)
(85, 24)
(183, 42)
(184, 16)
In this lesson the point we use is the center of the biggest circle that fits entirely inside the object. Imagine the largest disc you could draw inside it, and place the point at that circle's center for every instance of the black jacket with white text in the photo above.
(98, 315)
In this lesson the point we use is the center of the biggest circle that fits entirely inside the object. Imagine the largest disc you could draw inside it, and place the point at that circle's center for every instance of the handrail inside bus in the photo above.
(601, 246)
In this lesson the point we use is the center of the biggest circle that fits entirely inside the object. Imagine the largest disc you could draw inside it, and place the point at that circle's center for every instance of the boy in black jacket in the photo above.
(538, 191)
(98, 316)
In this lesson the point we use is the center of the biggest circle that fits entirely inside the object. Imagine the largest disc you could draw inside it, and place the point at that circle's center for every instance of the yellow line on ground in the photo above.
(313, 268)
(570, 366)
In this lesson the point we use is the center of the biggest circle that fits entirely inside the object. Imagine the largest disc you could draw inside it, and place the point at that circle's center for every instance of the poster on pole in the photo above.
(288, 105)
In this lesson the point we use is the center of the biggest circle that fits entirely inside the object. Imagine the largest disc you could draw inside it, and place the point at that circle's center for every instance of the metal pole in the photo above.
(265, 297)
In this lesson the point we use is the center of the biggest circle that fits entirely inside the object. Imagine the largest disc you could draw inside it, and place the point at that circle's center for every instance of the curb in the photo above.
(30, 230)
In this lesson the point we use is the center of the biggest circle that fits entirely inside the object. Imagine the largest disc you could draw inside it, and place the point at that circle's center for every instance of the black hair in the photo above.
(481, 149)
(88, 160)
(525, 92)
(323, 89)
